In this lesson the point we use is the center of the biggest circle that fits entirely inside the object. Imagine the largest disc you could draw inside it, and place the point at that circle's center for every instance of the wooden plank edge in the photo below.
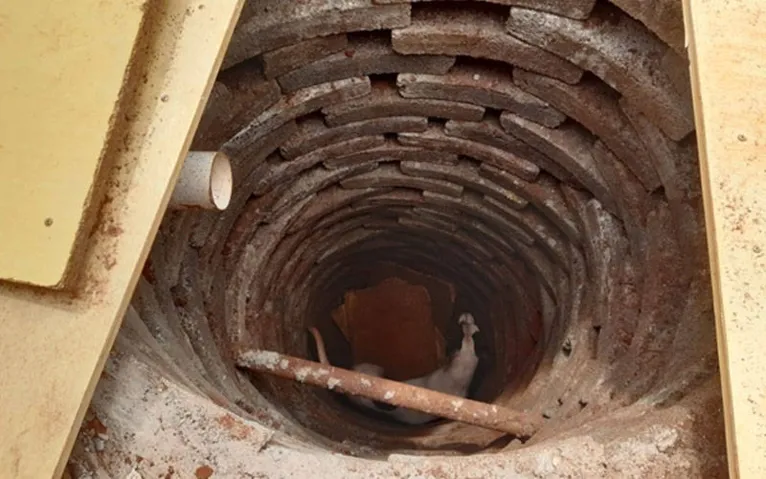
(184, 49)
(739, 405)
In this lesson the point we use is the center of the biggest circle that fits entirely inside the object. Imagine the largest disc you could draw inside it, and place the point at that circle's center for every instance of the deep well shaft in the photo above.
(537, 155)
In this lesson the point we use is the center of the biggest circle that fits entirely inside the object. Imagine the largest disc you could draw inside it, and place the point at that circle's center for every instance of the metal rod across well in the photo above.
(390, 392)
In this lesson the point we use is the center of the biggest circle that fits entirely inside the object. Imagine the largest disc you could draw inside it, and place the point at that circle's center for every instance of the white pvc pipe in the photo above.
(205, 182)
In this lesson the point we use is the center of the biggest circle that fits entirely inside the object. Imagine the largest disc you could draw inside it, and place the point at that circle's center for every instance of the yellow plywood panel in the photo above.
(727, 49)
(53, 345)
(63, 64)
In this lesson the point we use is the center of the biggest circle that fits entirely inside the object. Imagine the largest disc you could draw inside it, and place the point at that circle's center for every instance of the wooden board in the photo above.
(53, 346)
(63, 65)
(727, 49)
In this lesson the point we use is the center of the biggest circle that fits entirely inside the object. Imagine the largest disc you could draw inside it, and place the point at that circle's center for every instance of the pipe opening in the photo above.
(221, 182)
(205, 182)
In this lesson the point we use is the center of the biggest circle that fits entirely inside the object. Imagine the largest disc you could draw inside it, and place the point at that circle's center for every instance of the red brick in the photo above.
(266, 237)
(418, 248)
(693, 353)
(613, 279)
(473, 204)
(389, 175)
(676, 164)
(544, 194)
(464, 174)
(491, 238)
(391, 151)
(245, 167)
(210, 253)
(244, 161)
(484, 86)
(633, 202)
(663, 17)
(253, 212)
(397, 196)
(453, 30)
(567, 146)
(385, 101)
(579, 9)
(620, 51)
(595, 106)
(298, 104)
(409, 218)
(217, 111)
(435, 139)
(490, 132)
(663, 296)
(364, 55)
(678, 168)
(275, 265)
(510, 215)
(282, 60)
(539, 229)
(362, 218)
(360, 211)
(311, 181)
(252, 249)
(340, 242)
(327, 200)
(238, 96)
(193, 319)
(546, 272)
(313, 132)
(277, 170)
(569, 8)
(462, 247)
(296, 260)
(428, 210)
(275, 24)
(428, 236)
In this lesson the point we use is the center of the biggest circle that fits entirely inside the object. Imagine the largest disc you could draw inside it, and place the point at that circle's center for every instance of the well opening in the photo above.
(539, 160)
(397, 283)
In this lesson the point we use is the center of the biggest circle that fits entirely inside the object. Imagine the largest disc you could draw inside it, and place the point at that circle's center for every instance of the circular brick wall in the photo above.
(538, 155)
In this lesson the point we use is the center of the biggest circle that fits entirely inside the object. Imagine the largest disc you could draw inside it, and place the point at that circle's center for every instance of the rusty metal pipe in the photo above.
(390, 392)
